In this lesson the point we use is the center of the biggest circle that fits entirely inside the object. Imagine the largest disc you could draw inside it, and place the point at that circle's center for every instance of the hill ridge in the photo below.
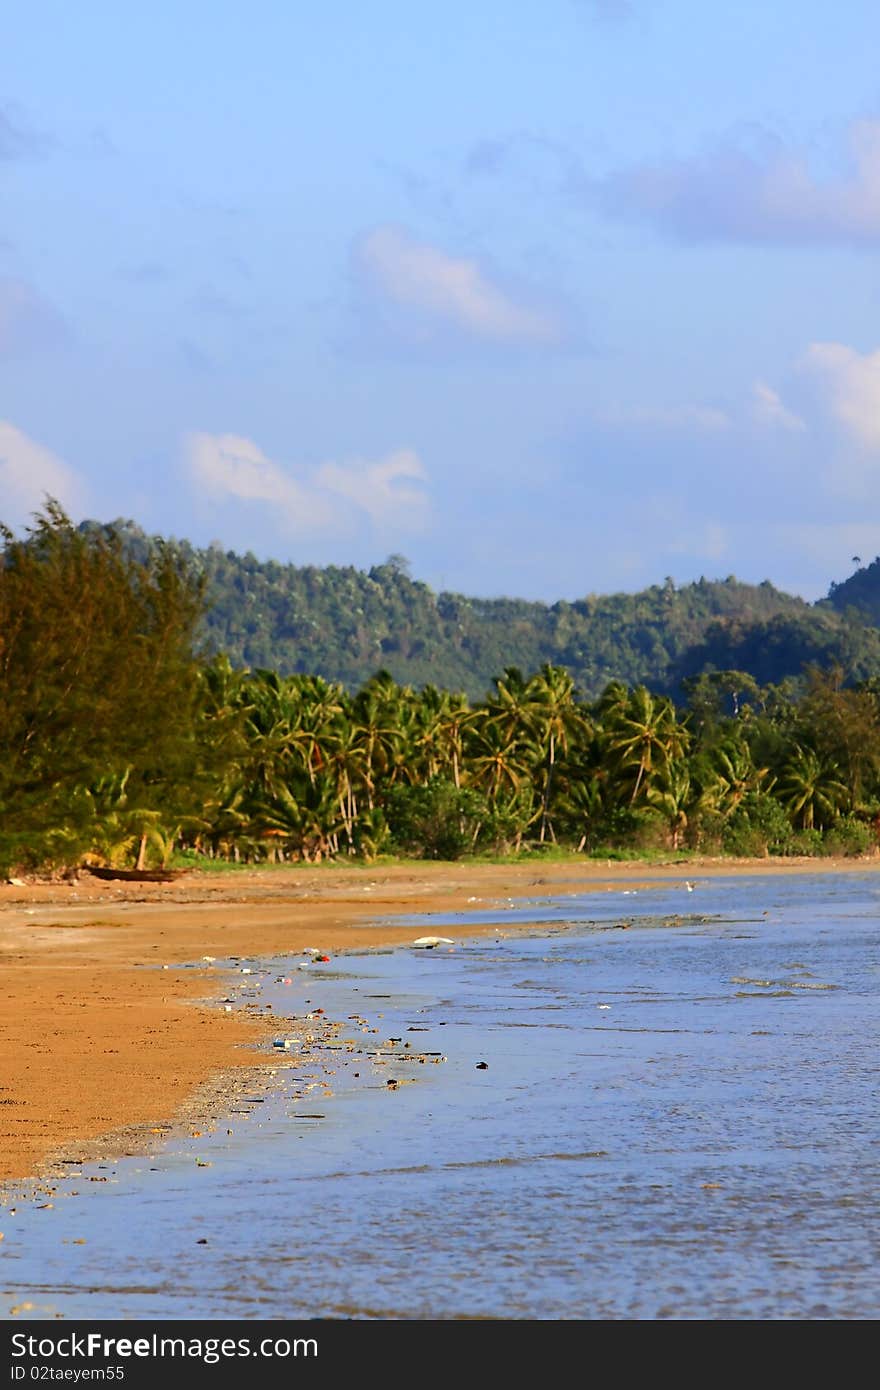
(346, 623)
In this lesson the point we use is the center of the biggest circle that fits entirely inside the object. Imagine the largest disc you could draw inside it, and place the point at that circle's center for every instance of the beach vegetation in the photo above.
(123, 740)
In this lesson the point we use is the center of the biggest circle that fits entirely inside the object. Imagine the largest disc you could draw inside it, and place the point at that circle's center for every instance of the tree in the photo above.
(643, 735)
(556, 719)
(97, 679)
(811, 790)
(671, 795)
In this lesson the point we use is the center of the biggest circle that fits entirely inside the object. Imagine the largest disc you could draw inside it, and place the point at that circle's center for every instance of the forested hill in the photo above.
(345, 624)
(859, 594)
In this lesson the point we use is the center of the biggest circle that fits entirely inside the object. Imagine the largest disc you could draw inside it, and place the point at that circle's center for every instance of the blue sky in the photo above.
(551, 299)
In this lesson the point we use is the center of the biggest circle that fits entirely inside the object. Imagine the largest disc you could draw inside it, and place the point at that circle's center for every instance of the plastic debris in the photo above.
(428, 943)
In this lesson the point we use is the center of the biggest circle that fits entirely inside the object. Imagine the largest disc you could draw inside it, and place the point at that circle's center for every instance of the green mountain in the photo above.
(859, 595)
(345, 624)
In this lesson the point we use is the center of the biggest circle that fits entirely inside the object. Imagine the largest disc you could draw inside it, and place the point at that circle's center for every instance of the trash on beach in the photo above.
(603, 1006)
(284, 1044)
(245, 970)
(210, 959)
(428, 943)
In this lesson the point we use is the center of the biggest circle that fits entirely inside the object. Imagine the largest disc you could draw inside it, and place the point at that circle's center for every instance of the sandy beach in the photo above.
(97, 1039)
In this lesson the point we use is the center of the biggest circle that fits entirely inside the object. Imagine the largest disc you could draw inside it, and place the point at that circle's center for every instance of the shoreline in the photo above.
(110, 1040)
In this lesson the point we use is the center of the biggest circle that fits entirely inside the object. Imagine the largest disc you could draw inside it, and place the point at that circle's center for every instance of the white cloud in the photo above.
(29, 473)
(766, 194)
(330, 500)
(769, 410)
(380, 489)
(450, 291)
(851, 383)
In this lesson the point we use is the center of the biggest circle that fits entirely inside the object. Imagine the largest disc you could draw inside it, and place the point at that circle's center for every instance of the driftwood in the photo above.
(136, 875)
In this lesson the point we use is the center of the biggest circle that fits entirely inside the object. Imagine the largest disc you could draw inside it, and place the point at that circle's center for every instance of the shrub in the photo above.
(805, 842)
(849, 836)
(437, 820)
(758, 826)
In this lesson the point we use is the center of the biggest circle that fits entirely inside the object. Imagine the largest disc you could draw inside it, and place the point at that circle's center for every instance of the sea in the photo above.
(651, 1103)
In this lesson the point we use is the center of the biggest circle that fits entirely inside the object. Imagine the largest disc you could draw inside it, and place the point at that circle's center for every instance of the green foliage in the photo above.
(850, 836)
(116, 740)
(98, 686)
(758, 826)
(347, 623)
(437, 820)
(804, 842)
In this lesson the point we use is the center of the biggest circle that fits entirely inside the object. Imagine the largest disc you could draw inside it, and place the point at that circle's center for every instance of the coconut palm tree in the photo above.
(555, 720)
(671, 794)
(375, 715)
(811, 790)
(496, 762)
(643, 735)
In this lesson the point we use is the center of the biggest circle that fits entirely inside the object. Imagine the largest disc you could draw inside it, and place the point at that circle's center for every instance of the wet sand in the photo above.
(99, 1043)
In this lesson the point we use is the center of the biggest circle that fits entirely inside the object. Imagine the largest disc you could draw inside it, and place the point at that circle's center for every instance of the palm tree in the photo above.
(730, 775)
(319, 704)
(512, 706)
(585, 805)
(555, 718)
(670, 793)
(643, 735)
(453, 718)
(496, 762)
(377, 729)
(345, 762)
(811, 790)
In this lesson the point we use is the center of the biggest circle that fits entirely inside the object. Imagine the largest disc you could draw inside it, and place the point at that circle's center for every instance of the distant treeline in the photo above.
(346, 624)
(117, 738)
